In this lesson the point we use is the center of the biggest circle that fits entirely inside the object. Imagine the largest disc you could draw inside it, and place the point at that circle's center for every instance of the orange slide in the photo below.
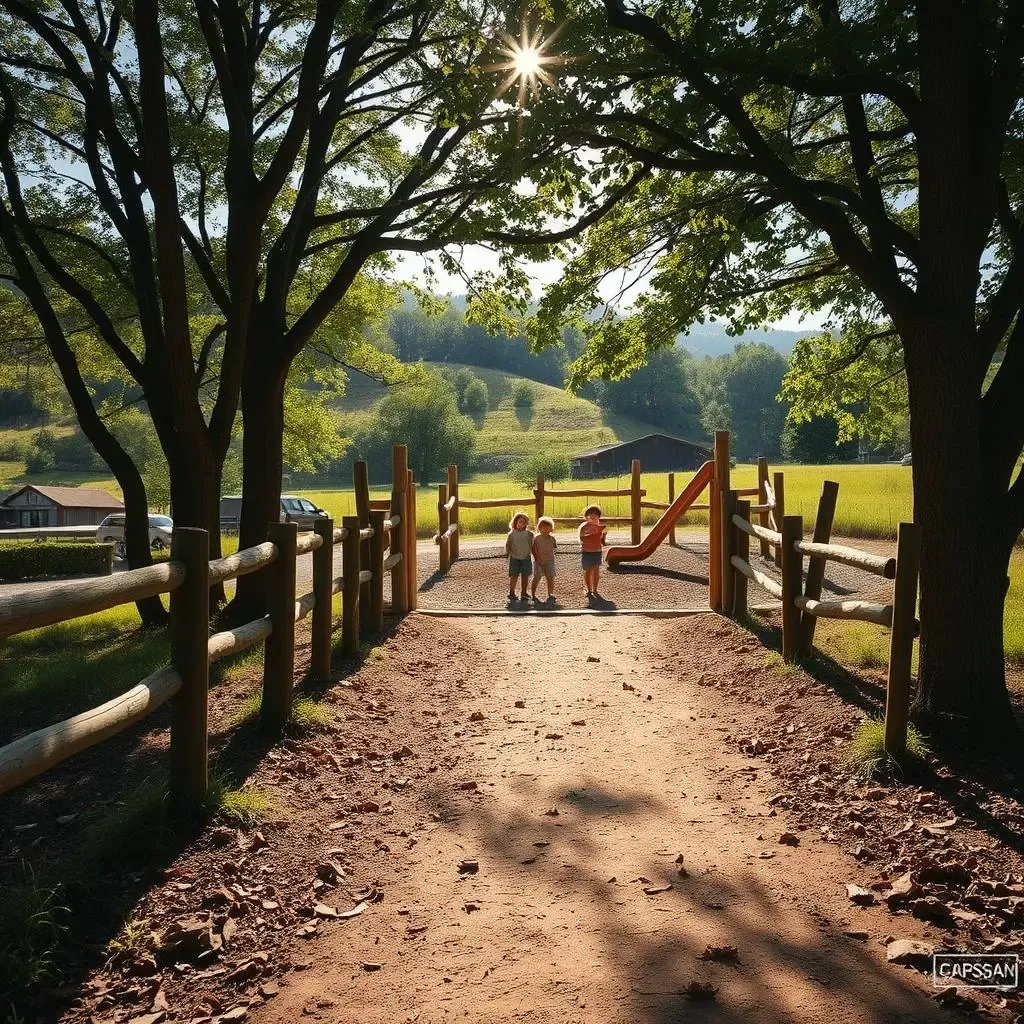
(659, 531)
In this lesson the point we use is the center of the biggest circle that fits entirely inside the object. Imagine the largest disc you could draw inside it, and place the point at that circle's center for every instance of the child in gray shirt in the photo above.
(519, 548)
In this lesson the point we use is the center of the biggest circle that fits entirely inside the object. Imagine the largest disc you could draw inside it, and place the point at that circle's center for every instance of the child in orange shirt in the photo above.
(592, 533)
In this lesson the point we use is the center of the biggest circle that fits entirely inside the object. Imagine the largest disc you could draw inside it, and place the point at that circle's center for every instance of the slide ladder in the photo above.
(638, 552)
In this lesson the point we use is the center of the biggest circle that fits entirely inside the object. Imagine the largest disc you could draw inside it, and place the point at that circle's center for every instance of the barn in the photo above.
(36, 505)
(658, 453)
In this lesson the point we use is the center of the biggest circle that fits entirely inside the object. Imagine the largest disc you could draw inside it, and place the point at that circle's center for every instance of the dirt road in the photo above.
(597, 762)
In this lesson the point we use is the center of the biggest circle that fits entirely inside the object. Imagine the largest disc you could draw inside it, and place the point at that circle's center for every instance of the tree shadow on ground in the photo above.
(524, 415)
(639, 951)
(962, 773)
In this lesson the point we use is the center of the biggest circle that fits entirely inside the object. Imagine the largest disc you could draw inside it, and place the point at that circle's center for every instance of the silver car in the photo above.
(301, 511)
(111, 531)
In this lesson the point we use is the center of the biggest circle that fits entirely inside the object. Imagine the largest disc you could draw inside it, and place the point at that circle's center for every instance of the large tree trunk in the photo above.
(262, 468)
(966, 539)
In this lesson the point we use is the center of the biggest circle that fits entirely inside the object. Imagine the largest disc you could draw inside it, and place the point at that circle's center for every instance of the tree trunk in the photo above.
(195, 492)
(967, 539)
(262, 468)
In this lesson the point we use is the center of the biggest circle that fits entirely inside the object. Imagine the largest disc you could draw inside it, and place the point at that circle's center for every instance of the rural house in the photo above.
(658, 453)
(34, 505)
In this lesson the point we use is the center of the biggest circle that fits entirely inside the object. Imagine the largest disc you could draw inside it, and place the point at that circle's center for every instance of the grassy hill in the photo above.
(558, 423)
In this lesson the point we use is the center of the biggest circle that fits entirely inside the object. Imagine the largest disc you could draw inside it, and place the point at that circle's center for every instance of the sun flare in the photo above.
(527, 61)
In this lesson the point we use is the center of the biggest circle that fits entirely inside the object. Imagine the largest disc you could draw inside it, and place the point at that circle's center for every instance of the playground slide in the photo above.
(659, 531)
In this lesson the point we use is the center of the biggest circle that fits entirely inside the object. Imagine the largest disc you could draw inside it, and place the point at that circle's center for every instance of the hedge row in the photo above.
(24, 560)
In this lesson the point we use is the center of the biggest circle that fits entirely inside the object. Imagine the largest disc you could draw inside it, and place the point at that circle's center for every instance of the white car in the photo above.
(111, 531)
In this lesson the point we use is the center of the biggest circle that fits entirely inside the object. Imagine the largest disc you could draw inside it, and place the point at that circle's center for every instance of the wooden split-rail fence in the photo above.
(376, 542)
(800, 595)
(449, 502)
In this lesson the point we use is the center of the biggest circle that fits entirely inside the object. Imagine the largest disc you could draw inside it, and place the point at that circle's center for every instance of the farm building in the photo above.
(658, 453)
(57, 506)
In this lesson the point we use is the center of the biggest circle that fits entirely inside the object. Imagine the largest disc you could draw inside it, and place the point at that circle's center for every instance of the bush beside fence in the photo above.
(22, 560)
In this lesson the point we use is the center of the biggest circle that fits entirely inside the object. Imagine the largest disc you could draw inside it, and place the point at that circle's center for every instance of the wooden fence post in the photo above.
(453, 516)
(350, 564)
(376, 566)
(671, 498)
(361, 484)
(635, 511)
(762, 499)
(279, 648)
(399, 535)
(901, 641)
(792, 580)
(411, 582)
(323, 600)
(719, 483)
(190, 632)
(538, 497)
(729, 499)
(741, 545)
(816, 566)
(443, 554)
(779, 483)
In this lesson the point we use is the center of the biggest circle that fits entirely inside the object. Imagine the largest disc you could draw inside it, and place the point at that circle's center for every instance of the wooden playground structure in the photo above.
(779, 541)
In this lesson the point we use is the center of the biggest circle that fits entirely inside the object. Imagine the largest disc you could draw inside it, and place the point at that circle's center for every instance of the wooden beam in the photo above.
(792, 582)
(322, 627)
(901, 641)
(350, 591)
(816, 566)
(279, 650)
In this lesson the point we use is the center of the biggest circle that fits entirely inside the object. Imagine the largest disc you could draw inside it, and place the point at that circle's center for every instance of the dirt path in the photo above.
(584, 796)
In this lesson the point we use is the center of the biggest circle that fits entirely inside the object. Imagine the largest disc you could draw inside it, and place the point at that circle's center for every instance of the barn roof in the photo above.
(71, 497)
(601, 449)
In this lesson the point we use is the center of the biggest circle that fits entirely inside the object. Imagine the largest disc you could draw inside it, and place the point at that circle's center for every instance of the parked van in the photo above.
(294, 509)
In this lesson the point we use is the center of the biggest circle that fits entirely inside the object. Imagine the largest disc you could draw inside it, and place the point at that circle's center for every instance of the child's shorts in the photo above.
(544, 568)
(590, 559)
(518, 567)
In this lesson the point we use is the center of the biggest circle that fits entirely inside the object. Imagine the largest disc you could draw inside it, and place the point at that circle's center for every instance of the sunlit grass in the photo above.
(306, 715)
(867, 754)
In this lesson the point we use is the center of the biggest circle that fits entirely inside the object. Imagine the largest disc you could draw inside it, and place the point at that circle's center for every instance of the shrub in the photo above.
(476, 399)
(19, 561)
(72, 451)
(552, 467)
(14, 450)
(522, 395)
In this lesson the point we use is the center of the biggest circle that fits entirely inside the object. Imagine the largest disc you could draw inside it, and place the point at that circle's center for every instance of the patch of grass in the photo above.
(238, 666)
(31, 929)
(130, 943)
(775, 661)
(868, 756)
(133, 831)
(370, 650)
(306, 715)
(245, 807)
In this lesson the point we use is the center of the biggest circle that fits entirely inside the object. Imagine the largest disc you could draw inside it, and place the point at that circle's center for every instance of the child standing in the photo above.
(518, 547)
(592, 533)
(544, 547)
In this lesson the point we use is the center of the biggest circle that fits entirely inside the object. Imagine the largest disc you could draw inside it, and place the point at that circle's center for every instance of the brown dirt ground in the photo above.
(457, 740)
(644, 754)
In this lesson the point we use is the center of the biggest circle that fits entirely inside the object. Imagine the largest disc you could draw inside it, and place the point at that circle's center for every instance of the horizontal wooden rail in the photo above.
(627, 492)
(495, 502)
(365, 576)
(304, 605)
(41, 750)
(65, 601)
(663, 505)
(759, 578)
(243, 562)
(307, 542)
(366, 532)
(757, 531)
(451, 503)
(241, 638)
(698, 508)
(443, 538)
(392, 560)
(762, 508)
(390, 524)
(337, 584)
(746, 492)
(864, 611)
(878, 564)
(340, 534)
(380, 504)
(604, 519)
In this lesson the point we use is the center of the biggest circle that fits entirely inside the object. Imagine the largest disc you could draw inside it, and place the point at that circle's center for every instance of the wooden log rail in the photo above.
(495, 502)
(591, 493)
(187, 577)
(801, 610)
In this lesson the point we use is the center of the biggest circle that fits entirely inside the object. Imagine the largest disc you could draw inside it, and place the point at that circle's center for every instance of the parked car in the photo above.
(907, 459)
(111, 531)
(294, 509)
